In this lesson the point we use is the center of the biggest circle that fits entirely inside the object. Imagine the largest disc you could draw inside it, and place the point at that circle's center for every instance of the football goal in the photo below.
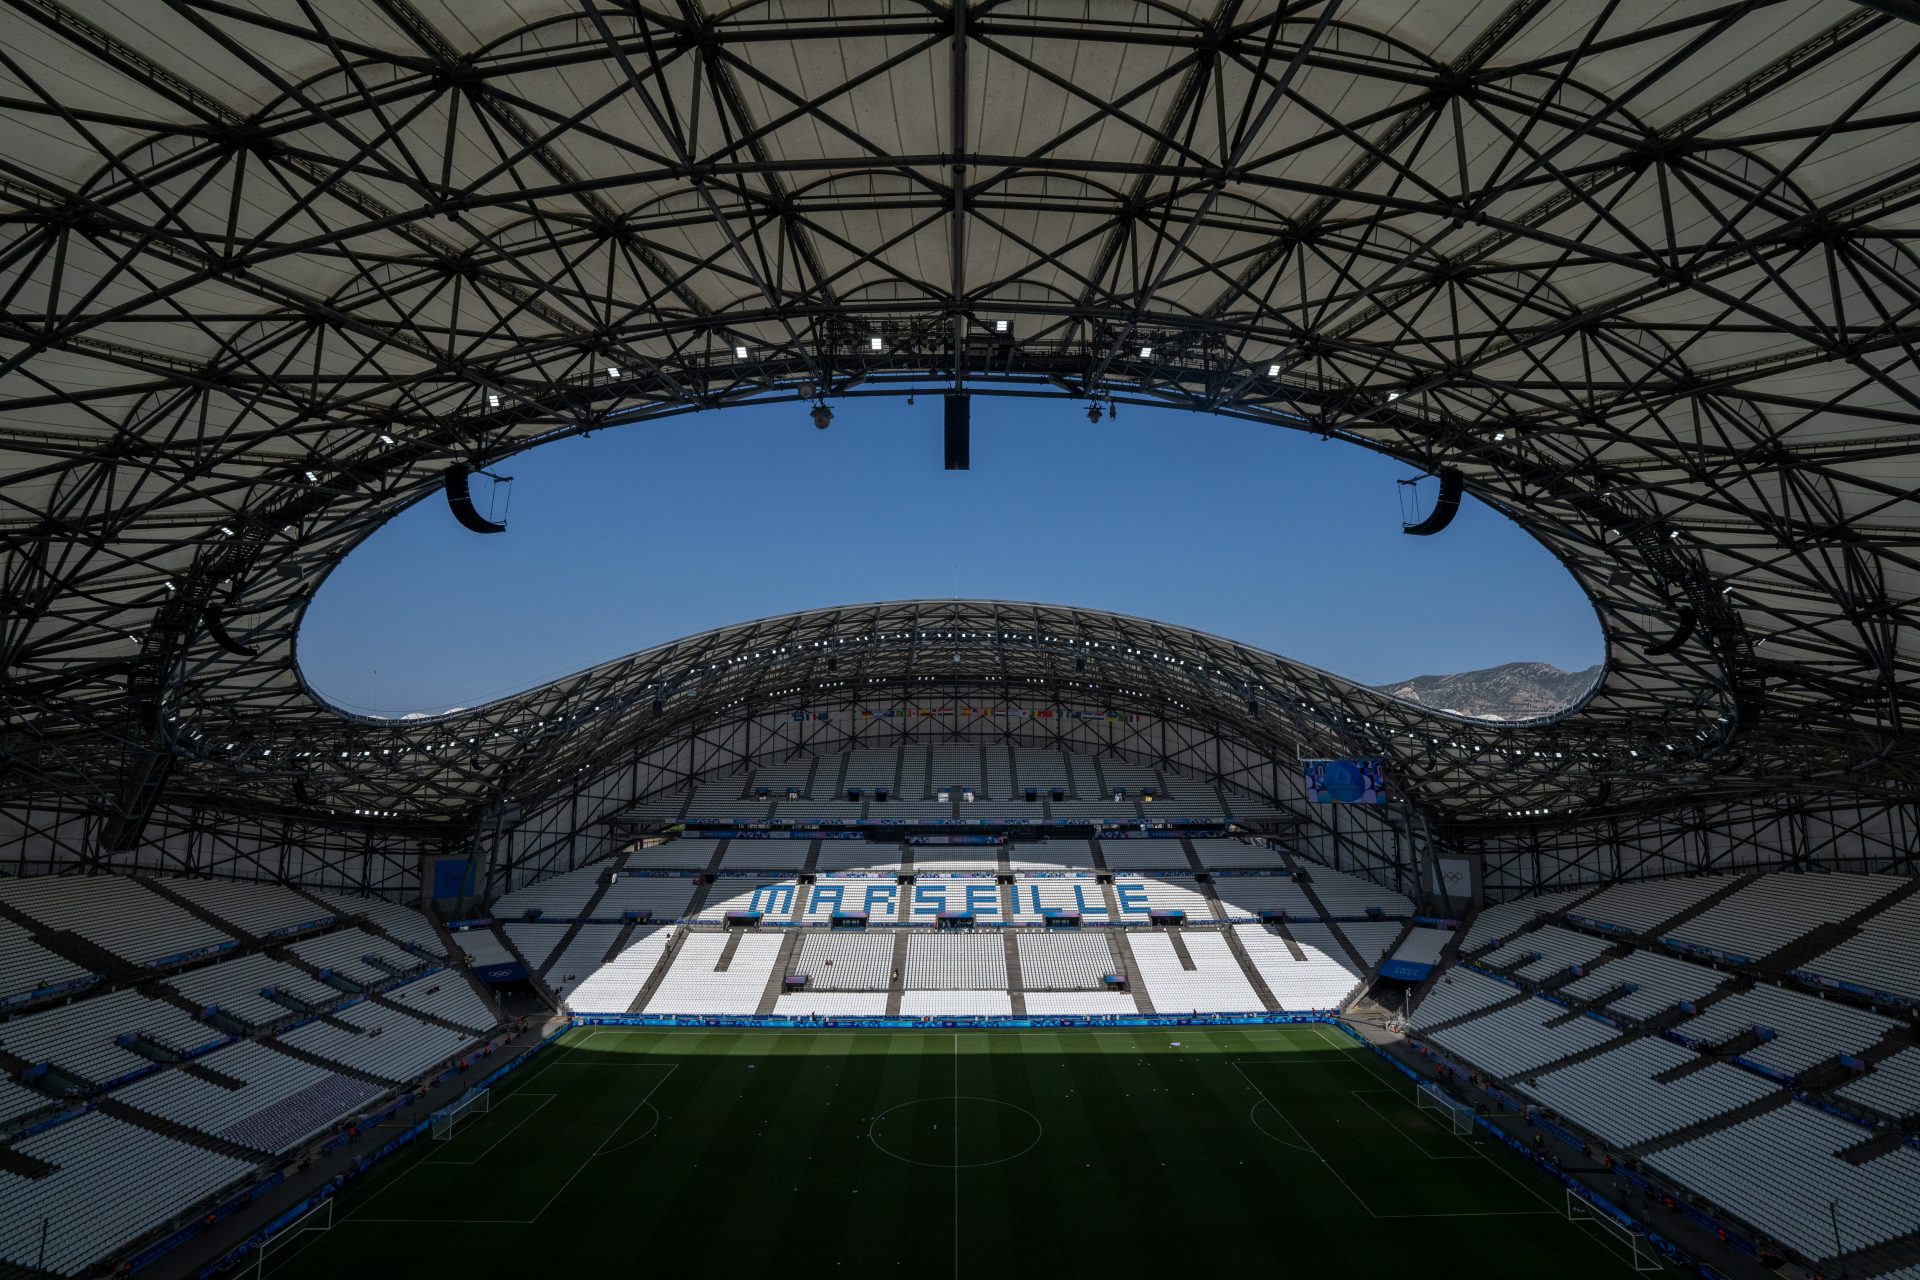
(1631, 1244)
(318, 1218)
(447, 1119)
(1457, 1116)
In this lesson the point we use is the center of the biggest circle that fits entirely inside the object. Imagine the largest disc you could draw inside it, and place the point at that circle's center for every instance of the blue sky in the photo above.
(642, 534)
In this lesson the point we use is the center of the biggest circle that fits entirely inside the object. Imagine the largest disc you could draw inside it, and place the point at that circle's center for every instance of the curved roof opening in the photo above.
(635, 537)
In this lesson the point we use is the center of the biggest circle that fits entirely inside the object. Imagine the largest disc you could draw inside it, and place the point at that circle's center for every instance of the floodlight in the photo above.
(822, 417)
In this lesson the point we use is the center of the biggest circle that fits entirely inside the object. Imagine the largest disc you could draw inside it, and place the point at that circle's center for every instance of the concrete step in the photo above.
(895, 989)
(1699, 908)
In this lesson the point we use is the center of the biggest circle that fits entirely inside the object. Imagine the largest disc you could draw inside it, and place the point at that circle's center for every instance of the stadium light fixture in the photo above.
(1000, 326)
(822, 417)
(613, 373)
(875, 343)
(739, 353)
(493, 400)
(1093, 414)
(1146, 353)
(1273, 371)
(313, 477)
(1392, 396)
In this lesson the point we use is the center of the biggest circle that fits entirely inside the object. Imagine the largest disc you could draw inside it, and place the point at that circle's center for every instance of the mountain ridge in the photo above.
(1510, 691)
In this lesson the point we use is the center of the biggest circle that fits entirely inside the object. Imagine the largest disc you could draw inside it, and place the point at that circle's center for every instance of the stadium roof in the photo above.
(1643, 274)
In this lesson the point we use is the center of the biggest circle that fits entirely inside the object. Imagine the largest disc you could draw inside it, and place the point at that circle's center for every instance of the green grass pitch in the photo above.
(1110, 1153)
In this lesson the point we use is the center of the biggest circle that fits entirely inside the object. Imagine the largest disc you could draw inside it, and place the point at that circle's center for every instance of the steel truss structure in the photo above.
(1643, 275)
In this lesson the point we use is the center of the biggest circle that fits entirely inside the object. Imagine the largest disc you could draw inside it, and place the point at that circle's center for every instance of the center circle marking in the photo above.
(921, 1115)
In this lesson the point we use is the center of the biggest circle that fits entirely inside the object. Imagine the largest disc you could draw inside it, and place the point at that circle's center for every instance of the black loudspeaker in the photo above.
(1033, 794)
(959, 433)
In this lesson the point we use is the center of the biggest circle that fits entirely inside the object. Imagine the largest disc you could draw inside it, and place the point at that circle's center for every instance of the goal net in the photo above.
(1629, 1243)
(447, 1119)
(318, 1218)
(1457, 1116)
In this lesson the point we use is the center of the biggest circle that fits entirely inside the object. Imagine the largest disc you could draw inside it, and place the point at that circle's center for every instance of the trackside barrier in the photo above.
(364, 1164)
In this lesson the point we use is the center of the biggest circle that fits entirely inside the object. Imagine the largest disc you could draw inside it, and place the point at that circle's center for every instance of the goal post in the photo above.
(1456, 1116)
(318, 1218)
(448, 1118)
(1633, 1244)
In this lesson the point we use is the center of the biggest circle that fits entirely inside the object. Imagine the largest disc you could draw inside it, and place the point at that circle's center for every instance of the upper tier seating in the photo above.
(561, 897)
(764, 855)
(1348, 895)
(1042, 769)
(261, 909)
(104, 1192)
(955, 962)
(1144, 855)
(659, 897)
(846, 961)
(536, 942)
(1638, 905)
(1250, 895)
(1880, 958)
(1216, 983)
(117, 913)
(402, 923)
(1508, 918)
(685, 854)
(1236, 853)
(1558, 949)
(344, 953)
(1760, 918)
(1050, 855)
(1063, 961)
(1372, 941)
(857, 855)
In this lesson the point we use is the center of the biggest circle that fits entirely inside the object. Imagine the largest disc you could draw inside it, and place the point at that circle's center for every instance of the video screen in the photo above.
(1345, 781)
